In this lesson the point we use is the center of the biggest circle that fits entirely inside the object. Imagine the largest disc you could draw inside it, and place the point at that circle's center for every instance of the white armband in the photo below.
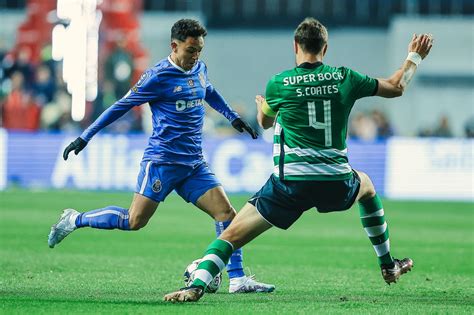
(414, 57)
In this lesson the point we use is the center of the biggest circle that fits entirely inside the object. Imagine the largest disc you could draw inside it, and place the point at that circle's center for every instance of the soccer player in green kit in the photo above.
(311, 105)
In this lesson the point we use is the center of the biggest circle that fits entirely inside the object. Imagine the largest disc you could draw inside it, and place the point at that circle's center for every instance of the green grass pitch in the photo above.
(323, 264)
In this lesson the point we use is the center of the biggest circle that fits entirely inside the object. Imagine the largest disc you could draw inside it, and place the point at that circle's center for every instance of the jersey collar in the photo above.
(309, 65)
(178, 67)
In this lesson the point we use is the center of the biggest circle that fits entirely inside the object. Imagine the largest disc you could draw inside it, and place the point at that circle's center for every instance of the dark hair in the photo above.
(185, 28)
(311, 35)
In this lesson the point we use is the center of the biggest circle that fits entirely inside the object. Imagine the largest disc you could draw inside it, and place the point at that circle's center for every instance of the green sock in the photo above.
(215, 259)
(373, 221)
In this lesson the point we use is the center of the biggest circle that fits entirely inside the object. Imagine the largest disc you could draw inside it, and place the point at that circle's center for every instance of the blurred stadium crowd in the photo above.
(34, 97)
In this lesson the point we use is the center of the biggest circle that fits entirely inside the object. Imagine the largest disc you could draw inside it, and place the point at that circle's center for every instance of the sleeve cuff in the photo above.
(233, 116)
(376, 87)
(267, 110)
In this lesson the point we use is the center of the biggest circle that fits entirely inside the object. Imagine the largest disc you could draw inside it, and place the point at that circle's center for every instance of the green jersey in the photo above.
(313, 102)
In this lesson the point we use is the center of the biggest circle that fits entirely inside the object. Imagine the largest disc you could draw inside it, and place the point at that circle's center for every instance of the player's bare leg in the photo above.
(247, 225)
(373, 220)
(215, 203)
(141, 210)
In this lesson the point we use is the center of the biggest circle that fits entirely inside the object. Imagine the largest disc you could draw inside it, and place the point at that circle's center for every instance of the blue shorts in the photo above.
(156, 181)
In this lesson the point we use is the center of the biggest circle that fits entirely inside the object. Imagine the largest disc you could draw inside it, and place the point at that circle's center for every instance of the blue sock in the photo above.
(235, 266)
(107, 218)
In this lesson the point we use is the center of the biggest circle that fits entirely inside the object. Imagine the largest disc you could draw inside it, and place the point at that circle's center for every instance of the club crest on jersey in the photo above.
(156, 186)
(191, 82)
(177, 89)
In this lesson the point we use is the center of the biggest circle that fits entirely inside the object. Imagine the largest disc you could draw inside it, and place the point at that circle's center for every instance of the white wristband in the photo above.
(414, 57)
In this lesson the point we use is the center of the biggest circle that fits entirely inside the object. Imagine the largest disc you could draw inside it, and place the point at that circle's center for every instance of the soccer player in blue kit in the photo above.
(175, 89)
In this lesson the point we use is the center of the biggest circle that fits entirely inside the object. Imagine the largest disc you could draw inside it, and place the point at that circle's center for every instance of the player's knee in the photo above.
(370, 193)
(137, 222)
(367, 189)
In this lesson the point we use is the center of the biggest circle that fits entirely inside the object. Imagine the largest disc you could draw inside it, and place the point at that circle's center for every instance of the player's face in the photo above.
(186, 53)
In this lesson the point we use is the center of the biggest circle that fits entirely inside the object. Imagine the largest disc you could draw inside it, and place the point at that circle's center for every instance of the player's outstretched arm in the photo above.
(265, 115)
(143, 92)
(418, 48)
(107, 117)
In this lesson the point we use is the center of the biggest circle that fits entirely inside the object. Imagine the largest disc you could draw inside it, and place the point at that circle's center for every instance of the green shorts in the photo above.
(281, 203)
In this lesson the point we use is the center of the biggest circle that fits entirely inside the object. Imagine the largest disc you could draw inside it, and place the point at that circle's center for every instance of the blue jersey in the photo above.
(176, 99)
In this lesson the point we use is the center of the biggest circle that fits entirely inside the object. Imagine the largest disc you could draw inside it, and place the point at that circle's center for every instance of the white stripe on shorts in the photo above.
(145, 178)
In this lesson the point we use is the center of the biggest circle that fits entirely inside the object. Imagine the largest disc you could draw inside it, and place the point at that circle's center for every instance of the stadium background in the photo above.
(248, 42)
(417, 147)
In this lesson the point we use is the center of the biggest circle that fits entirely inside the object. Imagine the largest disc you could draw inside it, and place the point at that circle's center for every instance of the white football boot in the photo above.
(65, 225)
(248, 284)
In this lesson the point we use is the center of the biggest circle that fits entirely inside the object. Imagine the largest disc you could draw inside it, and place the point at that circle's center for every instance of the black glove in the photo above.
(240, 125)
(76, 146)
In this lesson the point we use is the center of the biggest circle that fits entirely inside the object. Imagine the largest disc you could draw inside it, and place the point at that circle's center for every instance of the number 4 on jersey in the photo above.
(326, 125)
